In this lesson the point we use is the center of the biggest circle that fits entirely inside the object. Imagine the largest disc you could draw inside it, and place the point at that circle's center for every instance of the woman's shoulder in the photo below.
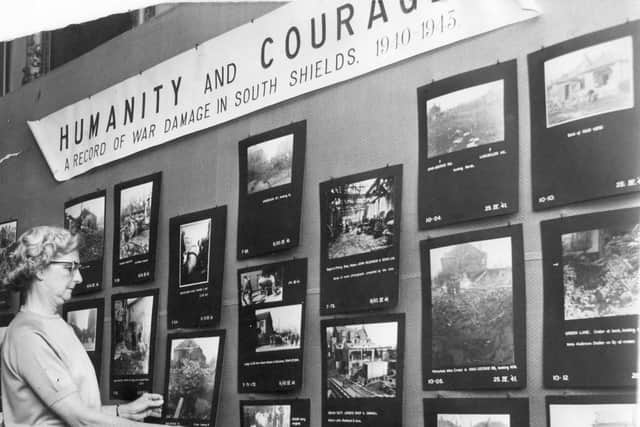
(26, 325)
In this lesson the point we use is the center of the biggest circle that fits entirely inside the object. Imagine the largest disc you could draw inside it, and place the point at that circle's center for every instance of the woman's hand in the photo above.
(149, 404)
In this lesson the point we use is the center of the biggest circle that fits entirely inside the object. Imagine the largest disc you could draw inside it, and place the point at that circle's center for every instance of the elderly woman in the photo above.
(47, 376)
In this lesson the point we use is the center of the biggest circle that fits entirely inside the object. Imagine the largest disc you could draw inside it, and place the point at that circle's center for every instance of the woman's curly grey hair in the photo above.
(32, 252)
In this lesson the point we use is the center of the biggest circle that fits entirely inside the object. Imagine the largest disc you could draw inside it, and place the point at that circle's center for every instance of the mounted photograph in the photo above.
(593, 415)
(194, 253)
(360, 217)
(135, 220)
(87, 219)
(266, 416)
(269, 164)
(132, 332)
(8, 234)
(474, 420)
(465, 118)
(262, 285)
(279, 328)
(590, 81)
(84, 324)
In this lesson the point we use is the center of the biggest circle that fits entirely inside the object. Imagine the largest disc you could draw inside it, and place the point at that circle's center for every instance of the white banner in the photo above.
(297, 48)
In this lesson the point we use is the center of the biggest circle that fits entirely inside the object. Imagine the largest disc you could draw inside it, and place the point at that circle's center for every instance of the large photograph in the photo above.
(132, 323)
(465, 118)
(601, 272)
(279, 328)
(362, 360)
(474, 420)
(269, 164)
(192, 377)
(472, 304)
(594, 80)
(194, 252)
(135, 220)
(8, 234)
(266, 416)
(594, 415)
(87, 219)
(84, 322)
(262, 285)
(360, 217)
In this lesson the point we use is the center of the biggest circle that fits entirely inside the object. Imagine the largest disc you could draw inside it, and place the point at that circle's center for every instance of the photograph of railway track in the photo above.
(362, 360)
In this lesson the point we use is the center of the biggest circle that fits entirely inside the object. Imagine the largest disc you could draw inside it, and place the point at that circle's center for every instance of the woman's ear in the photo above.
(40, 274)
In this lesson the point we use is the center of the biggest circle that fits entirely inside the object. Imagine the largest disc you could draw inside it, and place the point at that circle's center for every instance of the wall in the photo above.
(351, 127)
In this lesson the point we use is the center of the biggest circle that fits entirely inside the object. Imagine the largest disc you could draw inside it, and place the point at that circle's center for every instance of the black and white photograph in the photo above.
(133, 329)
(468, 146)
(5, 319)
(584, 113)
(591, 273)
(196, 267)
(86, 318)
(271, 171)
(362, 370)
(476, 412)
(593, 411)
(586, 82)
(473, 310)
(360, 223)
(275, 413)
(85, 216)
(193, 377)
(136, 207)
(8, 234)
(271, 302)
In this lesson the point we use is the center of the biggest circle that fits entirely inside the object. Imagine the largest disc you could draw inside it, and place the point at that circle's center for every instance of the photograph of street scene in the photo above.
(84, 324)
(87, 218)
(600, 270)
(266, 416)
(279, 328)
(194, 252)
(192, 377)
(595, 415)
(262, 285)
(132, 321)
(269, 164)
(360, 217)
(465, 118)
(135, 220)
(472, 304)
(474, 420)
(362, 360)
(8, 234)
(595, 80)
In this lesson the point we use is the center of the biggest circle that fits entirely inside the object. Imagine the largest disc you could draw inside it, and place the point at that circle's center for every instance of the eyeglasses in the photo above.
(70, 266)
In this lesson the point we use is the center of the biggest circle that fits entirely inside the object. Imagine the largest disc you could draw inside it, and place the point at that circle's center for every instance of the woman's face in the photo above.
(61, 276)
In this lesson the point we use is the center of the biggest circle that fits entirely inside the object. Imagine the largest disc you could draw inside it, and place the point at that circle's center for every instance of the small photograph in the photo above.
(84, 324)
(194, 252)
(595, 80)
(132, 322)
(263, 285)
(269, 164)
(87, 218)
(279, 328)
(465, 118)
(266, 415)
(362, 360)
(472, 304)
(8, 234)
(594, 415)
(474, 420)
(361, 217)
(135, 220)
(192, 377)
(600, 270)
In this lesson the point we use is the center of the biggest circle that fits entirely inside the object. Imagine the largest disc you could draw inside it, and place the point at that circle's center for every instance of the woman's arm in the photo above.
(149, 404)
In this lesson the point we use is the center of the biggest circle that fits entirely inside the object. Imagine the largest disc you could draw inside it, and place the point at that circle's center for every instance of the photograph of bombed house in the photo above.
(472, 304)
(269, 164)
(192, 377)
(194, 252)
(266, 416)
(474, 420)
(595, 80)
(135, 220)
(594, 415)
(132, 318)
(601, 274)
(87, 218)
(362, 360)
(263, 285)
(279, 328)
(465, 118)
(361, 217)
(8, 234)
(83, 323)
